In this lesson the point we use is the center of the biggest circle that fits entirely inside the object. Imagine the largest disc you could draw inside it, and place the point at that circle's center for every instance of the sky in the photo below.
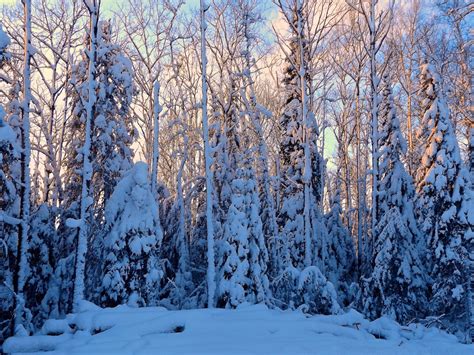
(272, 16)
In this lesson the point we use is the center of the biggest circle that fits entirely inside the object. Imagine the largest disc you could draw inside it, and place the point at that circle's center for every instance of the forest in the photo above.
(308, 155)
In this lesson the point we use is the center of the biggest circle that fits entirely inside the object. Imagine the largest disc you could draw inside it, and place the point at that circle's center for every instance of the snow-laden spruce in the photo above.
(9, 213)
(112, 131)
(100, 134)
(40, 295)
(300, 162)
(340, 258)
(257, 114)
(179, 287)
(242, 255)
(444, 208)
(397, 285)
(305, 289)
(132, 269)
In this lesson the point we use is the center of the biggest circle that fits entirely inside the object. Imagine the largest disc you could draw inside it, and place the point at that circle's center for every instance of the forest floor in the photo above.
(246, 330)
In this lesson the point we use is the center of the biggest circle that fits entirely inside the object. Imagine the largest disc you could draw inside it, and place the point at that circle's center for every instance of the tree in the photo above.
(9, 214)
(443, 196)
(341, 259)
(112, 130)
(55, 36)
(177, 248)
(295, 158)
(100, 133)
(23, 228)
(243, 255)
(132, 271)
(211, 273)
(257, 114)
(148, 30)
(307, 290)
(397, 284)
(41, 242)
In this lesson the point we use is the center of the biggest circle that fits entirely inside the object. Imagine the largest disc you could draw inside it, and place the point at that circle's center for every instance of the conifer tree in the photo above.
(132, 270)
(443, 208)
(340, 259)
(9, 213)
(243, 256)
(112, 130)
(257, 114)
(40, 255)
(292, 156)
(10, 188)
(299, 131)
(106, 145)
(397, 284)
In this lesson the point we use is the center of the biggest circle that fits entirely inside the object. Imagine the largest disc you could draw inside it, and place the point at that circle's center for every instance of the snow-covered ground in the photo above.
(247, 330)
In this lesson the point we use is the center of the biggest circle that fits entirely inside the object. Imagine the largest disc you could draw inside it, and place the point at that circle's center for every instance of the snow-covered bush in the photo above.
(308, 290)
(42, 240)
(340, 260)
(132, 269)
(243, 256)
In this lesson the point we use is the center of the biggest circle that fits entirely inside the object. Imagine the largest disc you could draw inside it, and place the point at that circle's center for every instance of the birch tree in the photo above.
(211, 274)
(377, 22)
(23, 230)
(93, 8)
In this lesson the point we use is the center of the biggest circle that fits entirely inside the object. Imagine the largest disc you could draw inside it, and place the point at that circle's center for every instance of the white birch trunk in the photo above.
(211, 279)
(156, 130)
(374, 113)
(306, 137)
(81, 251)
(26, 153)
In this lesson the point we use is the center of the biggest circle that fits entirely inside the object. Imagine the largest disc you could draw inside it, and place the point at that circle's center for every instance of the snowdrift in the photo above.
(250, 329)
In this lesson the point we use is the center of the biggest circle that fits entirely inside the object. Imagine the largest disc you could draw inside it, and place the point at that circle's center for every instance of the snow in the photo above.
(4, 40)
(7, 134)
(4, 43)
(248, 329)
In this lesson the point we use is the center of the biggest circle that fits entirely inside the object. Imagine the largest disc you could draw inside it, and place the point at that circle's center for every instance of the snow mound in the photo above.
(251, 329)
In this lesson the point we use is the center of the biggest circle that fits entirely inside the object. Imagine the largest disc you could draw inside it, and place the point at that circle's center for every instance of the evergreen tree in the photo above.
(292, 155)
(340, 259)
(10, 177)
(110, 153)
(132, 270)
(256, 114)
(243, 255)
(112, 126)
(176, 250)
(397, 285)
(443, 206)
(9, 213)
(42, 240)
(291, 218)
